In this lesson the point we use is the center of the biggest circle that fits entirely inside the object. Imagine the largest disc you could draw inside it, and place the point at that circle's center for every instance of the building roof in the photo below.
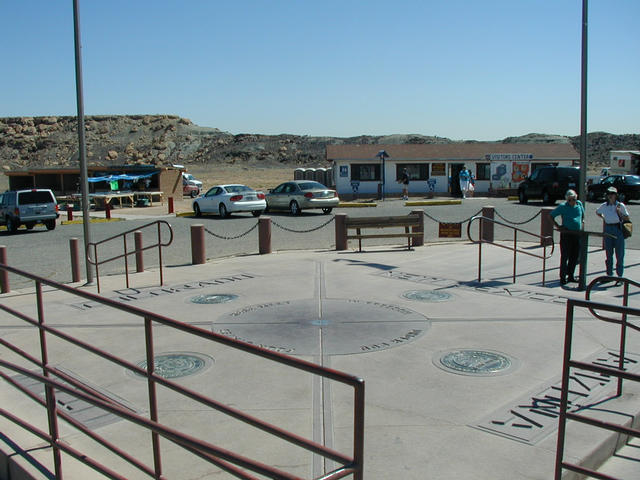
(452, 151)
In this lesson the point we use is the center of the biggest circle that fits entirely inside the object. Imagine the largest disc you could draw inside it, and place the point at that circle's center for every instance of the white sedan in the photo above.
(227, 199)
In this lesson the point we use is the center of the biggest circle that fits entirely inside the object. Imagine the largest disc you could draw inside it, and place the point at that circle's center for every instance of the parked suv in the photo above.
(549, 184)
(28, 207)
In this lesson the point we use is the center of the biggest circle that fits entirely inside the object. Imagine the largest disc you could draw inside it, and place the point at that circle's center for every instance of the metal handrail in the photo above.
(546, 240)
(159, 244)
(619, 372)
(623, 319)
(231, 462)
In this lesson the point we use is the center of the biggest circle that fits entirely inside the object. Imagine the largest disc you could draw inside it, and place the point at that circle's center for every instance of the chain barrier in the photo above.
(222, 237)
(460, 221)
(517, 223)
(313, 229)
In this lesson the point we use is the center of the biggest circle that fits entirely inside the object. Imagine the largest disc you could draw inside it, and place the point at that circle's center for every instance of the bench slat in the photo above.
(381, 222)
(384, 235)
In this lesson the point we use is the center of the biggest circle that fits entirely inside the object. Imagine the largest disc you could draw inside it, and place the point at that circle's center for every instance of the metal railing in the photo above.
(568, 364)
(544, 240)
(233, 463)
(159, 244)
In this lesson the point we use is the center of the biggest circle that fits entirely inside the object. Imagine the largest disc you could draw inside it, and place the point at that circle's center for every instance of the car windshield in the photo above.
(311, 186)
(28, 198)
(237, 188)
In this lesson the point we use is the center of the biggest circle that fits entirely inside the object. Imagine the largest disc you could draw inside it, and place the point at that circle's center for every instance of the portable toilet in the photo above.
(331, 181)
(321, 176)
(298, 173)
(310, 174)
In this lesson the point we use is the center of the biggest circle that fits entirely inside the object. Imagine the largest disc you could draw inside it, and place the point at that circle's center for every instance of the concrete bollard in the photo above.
(264, 235)
(170, 204)
(74, 249)
(4, 275)
(546, 226)
(107, 211)
(418, 241)
(137, 236)
(69, 212)
(487, 226)
(340, 220)
(198, 256)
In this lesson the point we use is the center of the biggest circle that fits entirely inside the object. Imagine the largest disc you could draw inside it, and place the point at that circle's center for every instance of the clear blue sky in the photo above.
(463, 69)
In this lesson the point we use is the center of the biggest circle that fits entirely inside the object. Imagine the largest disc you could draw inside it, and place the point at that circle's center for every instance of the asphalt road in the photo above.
(47, 252)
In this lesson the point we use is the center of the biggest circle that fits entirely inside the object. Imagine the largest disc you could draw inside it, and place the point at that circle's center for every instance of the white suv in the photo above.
(28, 207)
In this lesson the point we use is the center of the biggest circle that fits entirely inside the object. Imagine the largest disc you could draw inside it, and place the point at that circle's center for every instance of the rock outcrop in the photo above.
(27, 142)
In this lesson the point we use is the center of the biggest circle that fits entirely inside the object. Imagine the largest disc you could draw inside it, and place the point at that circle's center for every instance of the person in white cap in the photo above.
(613, 213)
(572, 214)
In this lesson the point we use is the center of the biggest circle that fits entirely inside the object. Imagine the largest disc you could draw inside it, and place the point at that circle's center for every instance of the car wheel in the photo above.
(222, 210)
(546, 198)
(256, 213)
(522, 197)
(294, 208)
(196, 209)
(12, 225)
(50, 224)
(30, 225)
(194, 193)
(327, 210)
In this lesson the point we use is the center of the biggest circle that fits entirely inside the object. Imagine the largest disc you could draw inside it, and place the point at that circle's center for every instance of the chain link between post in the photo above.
(459, 221)
(223, 237)
(517, 223)
(309, 230)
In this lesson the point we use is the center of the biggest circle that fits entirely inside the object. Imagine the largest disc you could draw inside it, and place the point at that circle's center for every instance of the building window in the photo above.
(438, 170)
(365, 172)
(483, 171)
(416, 171)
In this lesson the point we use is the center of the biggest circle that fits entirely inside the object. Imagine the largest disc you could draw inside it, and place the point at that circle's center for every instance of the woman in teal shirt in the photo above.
(572, 214)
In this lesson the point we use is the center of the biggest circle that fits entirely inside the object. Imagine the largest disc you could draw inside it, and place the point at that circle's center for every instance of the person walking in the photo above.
(572, 214)
(613, 213)
(404, 179)
(465, 179)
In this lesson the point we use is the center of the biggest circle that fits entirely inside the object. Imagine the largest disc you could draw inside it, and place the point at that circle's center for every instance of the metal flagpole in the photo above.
(82, 147)
(584, 239)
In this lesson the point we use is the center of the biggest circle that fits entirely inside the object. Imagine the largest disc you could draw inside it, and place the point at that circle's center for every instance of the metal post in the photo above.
(139, 254)
(160, 253)
(82, 147)
(583, 107)
(480, 255)
(418, 241)
(74, 249)
(170, 204)
(358, 426)
(623, 336)
(126, 260)
(198, 256)
(69, 213)
(487, 230)
(264, 235)
(515, 253)
(50, 395)
(153, 401)
(340, 220)
(4, 275)
(546, 226)
(107, 211)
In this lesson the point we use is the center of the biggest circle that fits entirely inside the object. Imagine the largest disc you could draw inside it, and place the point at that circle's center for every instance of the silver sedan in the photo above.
(227, 199)
(299, 195)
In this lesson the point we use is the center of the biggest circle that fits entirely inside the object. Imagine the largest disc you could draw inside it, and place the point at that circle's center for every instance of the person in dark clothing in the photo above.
(404, 179)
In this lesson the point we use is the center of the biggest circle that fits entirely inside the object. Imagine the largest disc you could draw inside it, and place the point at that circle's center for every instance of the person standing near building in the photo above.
(613, 213)
(465, 180)
(572, 214)
(404, 180)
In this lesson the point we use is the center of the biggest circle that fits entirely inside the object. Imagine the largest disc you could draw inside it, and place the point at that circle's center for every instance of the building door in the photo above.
(454, 175)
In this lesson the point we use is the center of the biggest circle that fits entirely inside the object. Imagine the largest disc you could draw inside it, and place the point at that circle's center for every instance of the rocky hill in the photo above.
(27, 142)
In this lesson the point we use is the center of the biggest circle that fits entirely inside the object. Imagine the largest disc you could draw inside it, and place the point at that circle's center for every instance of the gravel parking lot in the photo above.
(47, 252)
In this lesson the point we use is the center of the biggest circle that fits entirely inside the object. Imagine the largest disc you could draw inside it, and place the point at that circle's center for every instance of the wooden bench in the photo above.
(413, 225)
